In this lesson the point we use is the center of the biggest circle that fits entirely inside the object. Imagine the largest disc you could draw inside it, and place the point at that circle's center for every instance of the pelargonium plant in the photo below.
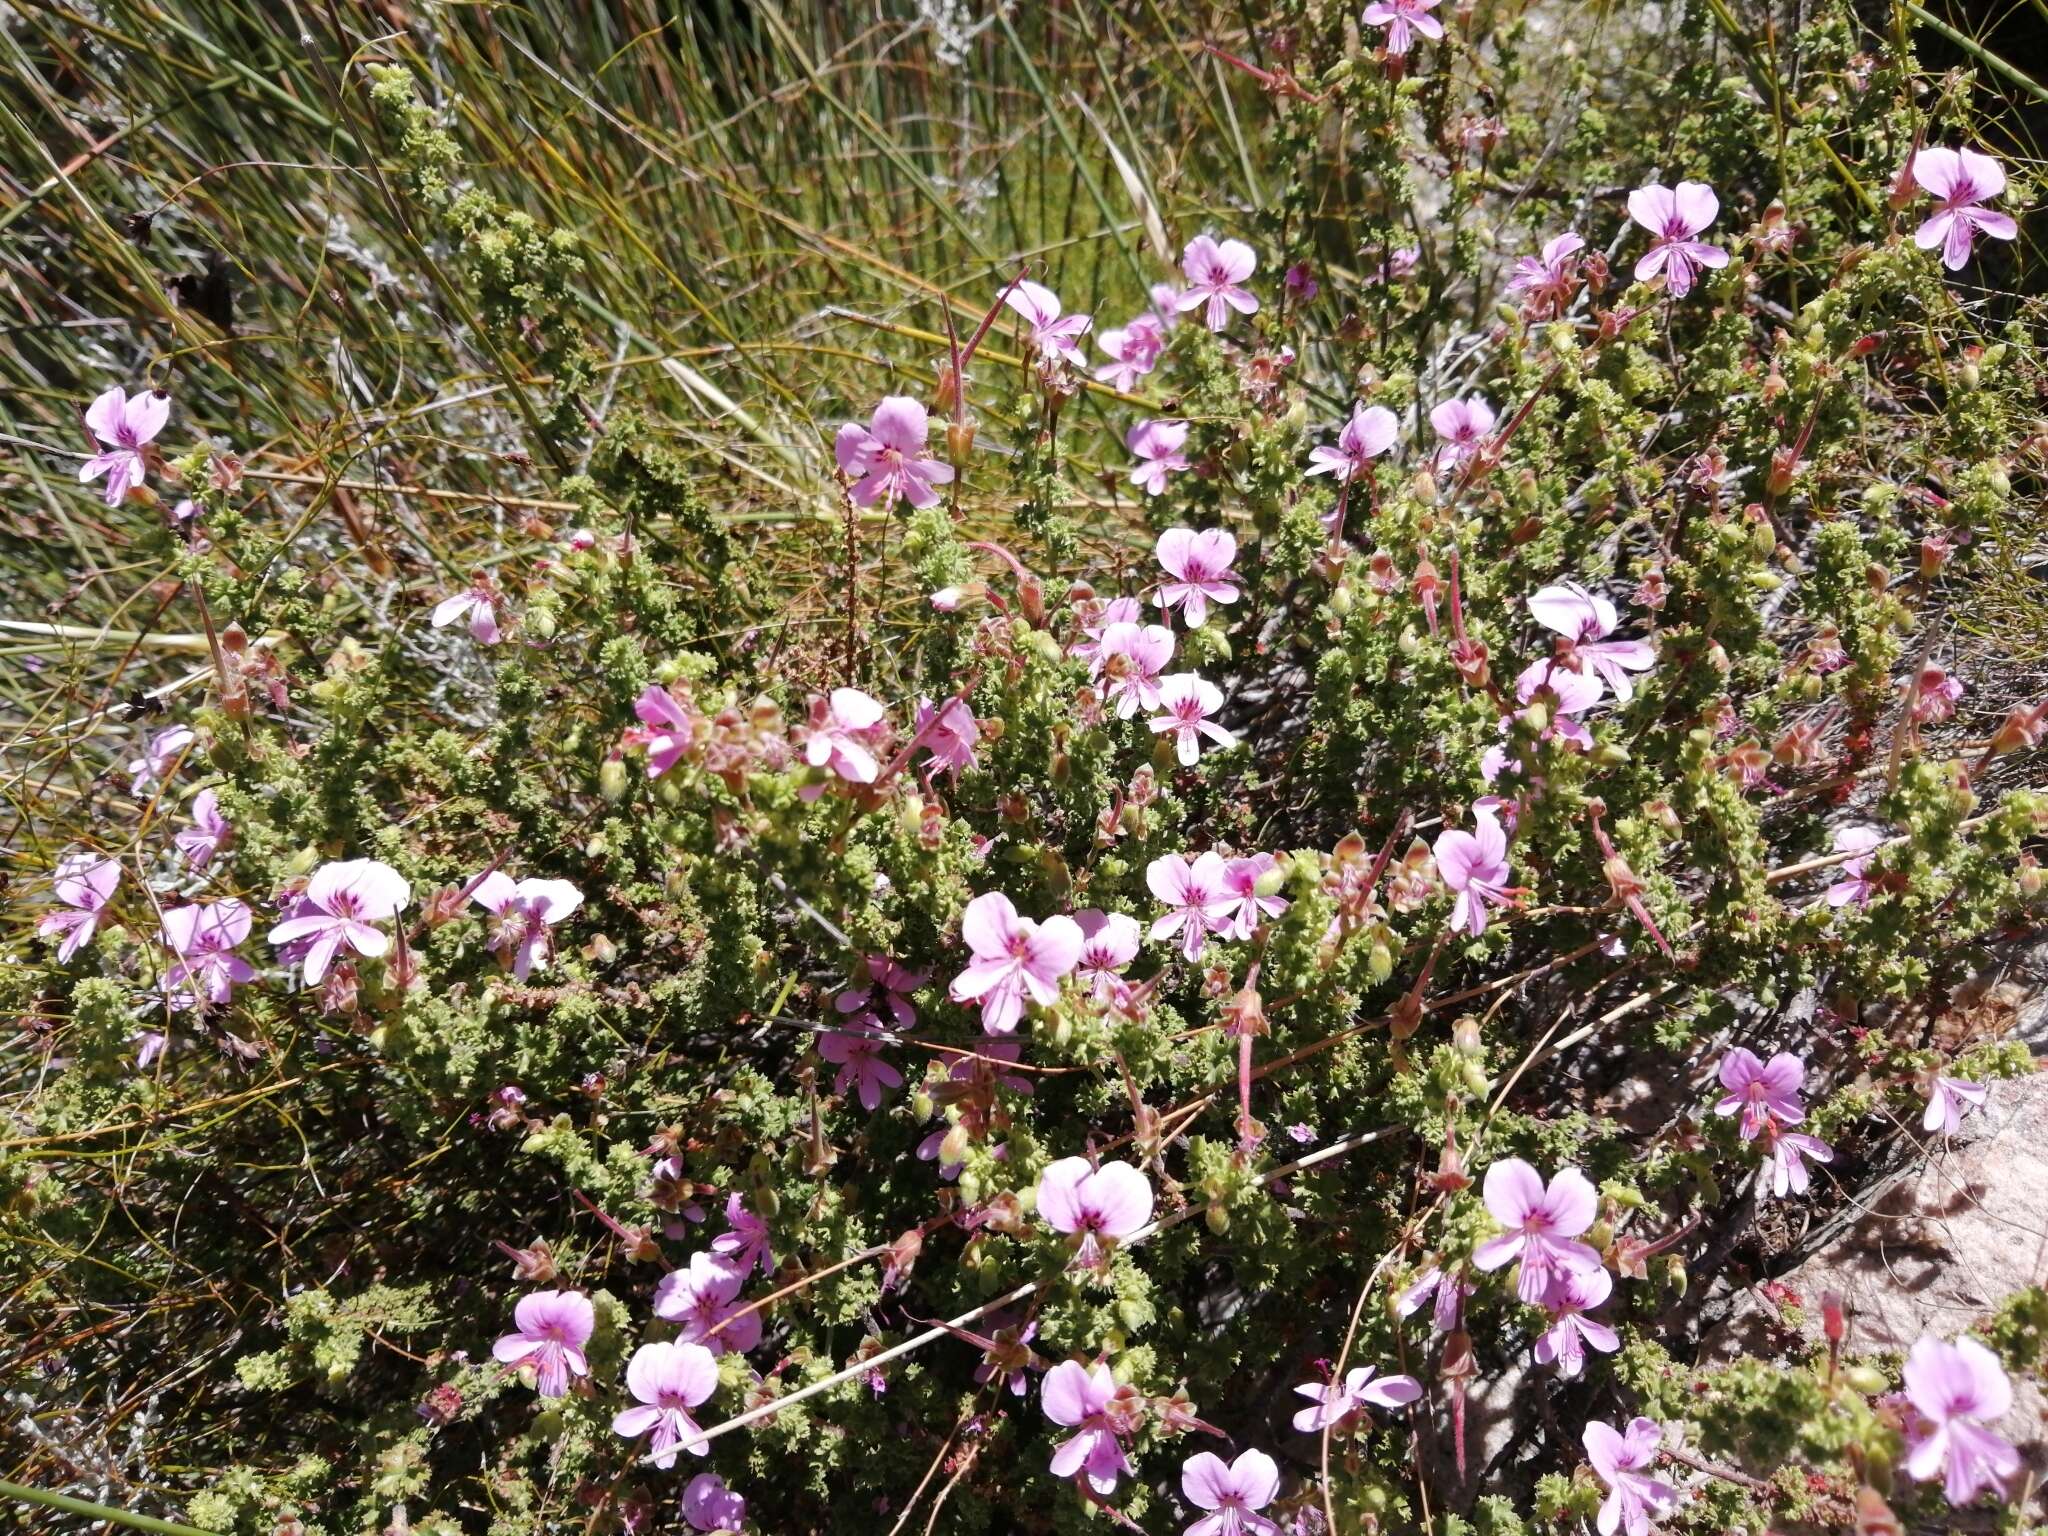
(1375, 803)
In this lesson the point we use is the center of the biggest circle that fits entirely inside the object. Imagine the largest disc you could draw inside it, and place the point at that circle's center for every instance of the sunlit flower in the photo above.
(1786, 1154)
(1233, 1493)
(1197, 899)
(703, 1301)
(1474, 865)
(159, 755)
(1761, 1092)
(1199, 567)
(1956, 1390)
(1369, 433)
(886, 459)
(1574, 1293)
(839, 737)
(1585, 619)
(1961, 181)
(209, 830)
(1014, 959)
(84, 883)
(862, 1067)
(1635, 1497)
(1080, 1399)
(125, 426)
(1133, 351)
(1188, 701)
(1543, 1225)
(1097, 1206)
(1463, 425)
(1127, 662)
(1674, 217)
(1109, 944)
(710, 1506)
(204, 938)
(1948, 1100)
(551, 1329)
(1216, 272)
(478, 605)
(340, 909)
(1051, 334)
(669, 1380)
(1252, 886)
(1335, 1403)
(1158, 446)
(1403, 19)
(1855, 887)
(1547, 282)
(522, 912)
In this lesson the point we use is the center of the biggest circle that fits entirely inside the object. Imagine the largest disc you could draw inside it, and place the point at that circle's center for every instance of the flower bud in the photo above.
(1867, 1379)
(1465, 1037)
(1217, 1218)
(960, 441)
(955, 1145)
(540, 623)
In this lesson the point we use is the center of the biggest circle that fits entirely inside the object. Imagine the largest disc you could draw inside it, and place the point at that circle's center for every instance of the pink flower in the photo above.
(1549, 281)
(522, 912)
(1463, 425)
(1763, 1092)
(339, 910)
(839, 735)
(1934, 700)
(1786, 1154)
(701, 1299)
(1052, 334)
(1014, 958)
(665, 730)
(1300, 282)
(551, 1328)
(1100, 1206)
(479, 606)
(1216, 274)
(1093, 616)
(1109, 943)
(125, 427)
(1403, 19)
(1574, 1293)
(1158, 446)
(1855, 885)
(669, 1380)
(886, 459)
(1585, 619)
(949, 733)
(1948, 1100)
(1080, 1399)
(1127, 661)
(160, 755)
(711, 1506)
(1197, 899)
(1674, 217)
(1242, 879)
(1188, 701)
(1957, 1389)
(1475, 866)
(204, 937)
(1634, 1497)
(858, 1056)
(1369, 433)
(1336, 1403)
(1199, 564)
(84, 883)
(880, 986)
(1134, 350)
(1542, 1225)
(746, 1245)
(209, 829)
(1231, 1493)
(1961, 181)
(1165, 305)
(1450, 1290)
